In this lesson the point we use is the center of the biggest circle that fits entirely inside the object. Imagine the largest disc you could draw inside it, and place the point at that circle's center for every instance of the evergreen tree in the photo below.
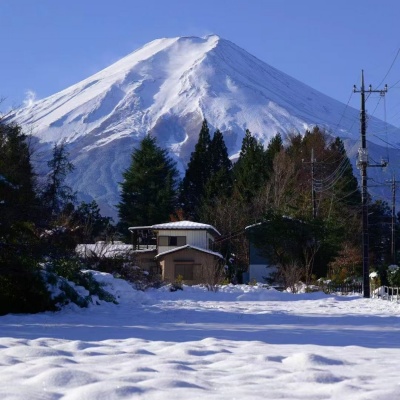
(18, 200)
(275, 145)
(219, 186)
(93, 225)
(251, 169)
(21, 285)
(197, 174)
(219, 183)
(148, 193)
(348, 185)
(379, 222)
(57, 195)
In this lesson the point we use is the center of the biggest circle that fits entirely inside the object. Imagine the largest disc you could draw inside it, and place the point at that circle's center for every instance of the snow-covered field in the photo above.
(242, 342)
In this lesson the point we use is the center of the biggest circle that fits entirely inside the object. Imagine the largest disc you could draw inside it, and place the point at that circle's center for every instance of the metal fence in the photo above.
(386, 293)
(389, 293)
(344, 288)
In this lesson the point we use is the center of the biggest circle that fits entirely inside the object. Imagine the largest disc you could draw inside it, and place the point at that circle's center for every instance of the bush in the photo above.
(393, 275)
(62, 272)
(22, 288)
(125, 268)
(177, 285)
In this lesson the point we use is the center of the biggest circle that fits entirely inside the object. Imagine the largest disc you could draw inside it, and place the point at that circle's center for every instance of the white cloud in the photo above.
(30, 98)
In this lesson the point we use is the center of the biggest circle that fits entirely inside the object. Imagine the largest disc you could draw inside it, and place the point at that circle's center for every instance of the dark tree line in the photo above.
(38, 223)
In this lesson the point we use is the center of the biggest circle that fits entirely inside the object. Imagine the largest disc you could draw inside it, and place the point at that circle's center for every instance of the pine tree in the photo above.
(21, 285)
(18, 200)
(149, 188)
(93, 225)
(219, 186)
(57, 194)
(275, 145)
(348, 185)
(197, 175)
(220, 181)
(251, 169)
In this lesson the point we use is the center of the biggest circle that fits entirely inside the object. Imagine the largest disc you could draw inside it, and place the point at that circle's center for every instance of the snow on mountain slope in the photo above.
(167, 88)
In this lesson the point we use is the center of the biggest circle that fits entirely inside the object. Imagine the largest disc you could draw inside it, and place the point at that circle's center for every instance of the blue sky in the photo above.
(48, 45)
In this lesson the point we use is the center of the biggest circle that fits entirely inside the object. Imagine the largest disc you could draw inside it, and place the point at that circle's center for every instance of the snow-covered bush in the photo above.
(393, 275)
(375, 279)
(123, 266)
(69, 283)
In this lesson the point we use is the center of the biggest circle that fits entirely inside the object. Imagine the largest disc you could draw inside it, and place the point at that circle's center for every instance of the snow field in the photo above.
(242, 342)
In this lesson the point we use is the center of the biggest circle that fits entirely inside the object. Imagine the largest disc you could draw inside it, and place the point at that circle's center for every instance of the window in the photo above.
(184, 270)
(171, 240)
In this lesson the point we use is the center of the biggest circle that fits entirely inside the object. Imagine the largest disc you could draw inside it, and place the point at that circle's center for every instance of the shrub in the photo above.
(178, 284)
(22, 289)
(393, 275)
(62, 271)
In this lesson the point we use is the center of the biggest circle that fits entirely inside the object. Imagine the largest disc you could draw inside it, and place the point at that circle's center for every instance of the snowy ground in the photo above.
(239, 343)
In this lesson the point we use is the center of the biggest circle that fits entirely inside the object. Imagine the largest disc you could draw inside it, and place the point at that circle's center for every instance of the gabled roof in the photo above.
(188, 246)
(179, 225)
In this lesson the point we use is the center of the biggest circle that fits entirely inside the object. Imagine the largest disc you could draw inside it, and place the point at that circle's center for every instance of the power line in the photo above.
(344, 111)
(390, 68)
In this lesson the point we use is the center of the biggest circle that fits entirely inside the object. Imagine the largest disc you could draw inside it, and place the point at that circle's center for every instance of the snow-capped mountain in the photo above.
(167, 88)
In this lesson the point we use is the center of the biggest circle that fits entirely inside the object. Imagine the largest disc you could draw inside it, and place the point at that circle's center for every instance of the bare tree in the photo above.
(212, 273)
(309, 252)
(290, 274)
(283, 176)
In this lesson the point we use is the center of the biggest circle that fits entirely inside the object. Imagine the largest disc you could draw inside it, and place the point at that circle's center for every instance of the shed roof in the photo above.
(188, 246)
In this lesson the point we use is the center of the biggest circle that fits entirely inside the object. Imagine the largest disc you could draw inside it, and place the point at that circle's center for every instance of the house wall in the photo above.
(203, 266)
(198, 238)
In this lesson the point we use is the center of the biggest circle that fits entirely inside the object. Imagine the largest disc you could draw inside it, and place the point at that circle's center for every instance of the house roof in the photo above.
(188, 246)
(179, 225)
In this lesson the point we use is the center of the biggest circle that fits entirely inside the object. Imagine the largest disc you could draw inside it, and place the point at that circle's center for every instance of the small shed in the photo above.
(194, 264)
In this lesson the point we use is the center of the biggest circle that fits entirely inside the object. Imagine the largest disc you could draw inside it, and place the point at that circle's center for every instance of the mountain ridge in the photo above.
(166, 88)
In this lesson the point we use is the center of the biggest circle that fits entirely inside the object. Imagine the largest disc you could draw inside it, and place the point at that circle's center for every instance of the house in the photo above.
(184, 248)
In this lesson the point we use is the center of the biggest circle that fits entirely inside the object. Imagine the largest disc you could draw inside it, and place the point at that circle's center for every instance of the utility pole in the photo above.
(313, 197)
(362, 164)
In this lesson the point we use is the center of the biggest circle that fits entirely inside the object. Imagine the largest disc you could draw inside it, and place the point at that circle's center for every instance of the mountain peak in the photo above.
(166, 88)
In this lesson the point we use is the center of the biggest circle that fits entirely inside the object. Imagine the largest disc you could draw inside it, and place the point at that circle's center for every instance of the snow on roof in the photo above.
(188, 246)
(185, 225)
(108, 250)
(178, 225)
(252, 226)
